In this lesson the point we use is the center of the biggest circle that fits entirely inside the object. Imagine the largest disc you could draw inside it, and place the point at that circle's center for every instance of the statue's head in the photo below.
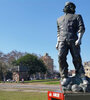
(69, 7)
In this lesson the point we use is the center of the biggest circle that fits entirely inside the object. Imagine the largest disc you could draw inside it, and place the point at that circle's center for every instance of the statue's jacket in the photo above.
(68, 26)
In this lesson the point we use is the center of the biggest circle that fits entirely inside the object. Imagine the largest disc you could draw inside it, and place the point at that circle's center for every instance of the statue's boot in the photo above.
(65, 81)
(85, 82)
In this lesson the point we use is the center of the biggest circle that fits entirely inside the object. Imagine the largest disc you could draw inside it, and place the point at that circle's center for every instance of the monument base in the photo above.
(58, 95)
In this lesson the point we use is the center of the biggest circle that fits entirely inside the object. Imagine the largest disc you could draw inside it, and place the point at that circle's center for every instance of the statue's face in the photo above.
(69, 8)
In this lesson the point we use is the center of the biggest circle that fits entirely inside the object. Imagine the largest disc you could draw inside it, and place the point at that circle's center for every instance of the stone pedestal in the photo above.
(77, 96)
(75, 84)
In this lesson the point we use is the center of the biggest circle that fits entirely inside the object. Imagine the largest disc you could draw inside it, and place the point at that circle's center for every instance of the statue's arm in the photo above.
(58, 36)
(81, 29)
(78, 41)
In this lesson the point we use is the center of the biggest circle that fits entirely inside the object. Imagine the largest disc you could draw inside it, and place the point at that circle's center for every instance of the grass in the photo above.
(19, 95)
(47, 81)
(8, 95)
(52, 83)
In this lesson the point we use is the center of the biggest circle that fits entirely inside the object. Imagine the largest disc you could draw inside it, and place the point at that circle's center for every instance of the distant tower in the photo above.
(48, 62)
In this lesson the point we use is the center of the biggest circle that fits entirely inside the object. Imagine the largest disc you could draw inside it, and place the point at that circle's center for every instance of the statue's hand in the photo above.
(57, 46)
(78, 42)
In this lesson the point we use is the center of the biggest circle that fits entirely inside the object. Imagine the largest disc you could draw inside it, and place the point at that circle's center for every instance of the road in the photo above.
(27, 87)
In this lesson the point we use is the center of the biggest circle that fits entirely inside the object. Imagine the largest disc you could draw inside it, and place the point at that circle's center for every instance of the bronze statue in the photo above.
(70, 29)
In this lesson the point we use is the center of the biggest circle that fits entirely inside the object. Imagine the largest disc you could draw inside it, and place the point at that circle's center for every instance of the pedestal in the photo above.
(58, 95)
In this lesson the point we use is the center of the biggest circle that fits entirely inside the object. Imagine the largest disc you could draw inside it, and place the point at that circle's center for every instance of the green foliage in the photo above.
(33, 63)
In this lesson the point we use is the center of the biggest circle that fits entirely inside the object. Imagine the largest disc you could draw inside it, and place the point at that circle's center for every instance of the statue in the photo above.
(70, 29)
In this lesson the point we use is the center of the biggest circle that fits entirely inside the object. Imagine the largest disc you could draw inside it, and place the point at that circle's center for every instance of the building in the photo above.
(87, 68)
(48, 62)
(19, 73)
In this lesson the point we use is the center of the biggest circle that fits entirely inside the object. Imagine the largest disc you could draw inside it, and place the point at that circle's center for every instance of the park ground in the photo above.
(29, 90)
(4, 95)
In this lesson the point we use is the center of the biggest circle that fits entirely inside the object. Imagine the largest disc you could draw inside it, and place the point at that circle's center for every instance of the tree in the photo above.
(6, 62)
(14, 55)
(0, 71)
(3, 70)
(33, 63)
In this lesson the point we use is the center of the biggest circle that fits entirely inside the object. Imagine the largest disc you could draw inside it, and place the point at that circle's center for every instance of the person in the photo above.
(22, 80)
(70, 29)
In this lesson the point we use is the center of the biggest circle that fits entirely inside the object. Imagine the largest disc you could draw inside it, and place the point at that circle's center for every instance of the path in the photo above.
(27, 87)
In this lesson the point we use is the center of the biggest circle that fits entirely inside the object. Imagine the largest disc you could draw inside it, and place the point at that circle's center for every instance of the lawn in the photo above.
(46, 81)
(8, 95)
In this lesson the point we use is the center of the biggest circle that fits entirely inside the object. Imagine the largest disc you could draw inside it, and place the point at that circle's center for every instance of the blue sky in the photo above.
(30, 26)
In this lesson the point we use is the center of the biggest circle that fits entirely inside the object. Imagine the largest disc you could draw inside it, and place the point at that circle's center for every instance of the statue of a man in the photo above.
(70, 29)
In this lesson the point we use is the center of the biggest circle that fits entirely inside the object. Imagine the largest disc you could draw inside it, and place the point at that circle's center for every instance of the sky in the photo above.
(30, 26)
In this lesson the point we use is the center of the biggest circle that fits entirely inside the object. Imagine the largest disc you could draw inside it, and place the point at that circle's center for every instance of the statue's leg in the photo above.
(77, 61)
(63, 51)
